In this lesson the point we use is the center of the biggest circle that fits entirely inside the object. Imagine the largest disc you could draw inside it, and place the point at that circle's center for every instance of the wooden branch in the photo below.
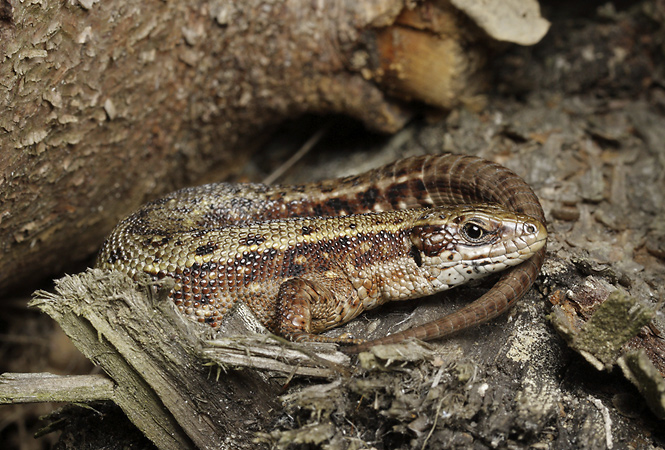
(313, 360)
(47, 387)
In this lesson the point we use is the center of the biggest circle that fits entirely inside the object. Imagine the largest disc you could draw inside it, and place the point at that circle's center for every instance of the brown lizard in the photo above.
(310, 257)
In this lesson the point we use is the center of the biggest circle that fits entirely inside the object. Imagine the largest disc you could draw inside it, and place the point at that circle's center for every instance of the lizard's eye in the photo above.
(473, 232)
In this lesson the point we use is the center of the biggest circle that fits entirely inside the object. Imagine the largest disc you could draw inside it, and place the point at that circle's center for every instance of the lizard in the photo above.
(309, 257)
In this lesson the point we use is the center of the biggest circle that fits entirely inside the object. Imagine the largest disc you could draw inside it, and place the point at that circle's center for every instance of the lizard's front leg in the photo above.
(308, 306)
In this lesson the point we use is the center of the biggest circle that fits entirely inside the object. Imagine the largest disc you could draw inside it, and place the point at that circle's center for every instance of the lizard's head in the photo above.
(457, 244)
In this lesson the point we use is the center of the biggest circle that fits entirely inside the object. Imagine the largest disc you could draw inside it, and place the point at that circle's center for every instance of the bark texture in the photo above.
(106, 104)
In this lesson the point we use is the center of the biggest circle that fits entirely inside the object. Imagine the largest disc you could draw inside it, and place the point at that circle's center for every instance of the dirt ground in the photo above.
(581, 117)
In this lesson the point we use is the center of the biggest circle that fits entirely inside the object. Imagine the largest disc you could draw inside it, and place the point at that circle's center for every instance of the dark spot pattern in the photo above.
(206, 249)
(306, 230)
(114, 256)
(337, 205)
(417, 188)
(368, 198)
(252, 239)
(396, 193)
(295, 270)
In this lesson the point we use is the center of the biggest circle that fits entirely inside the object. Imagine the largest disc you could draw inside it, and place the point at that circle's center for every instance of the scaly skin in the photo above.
(310, 257)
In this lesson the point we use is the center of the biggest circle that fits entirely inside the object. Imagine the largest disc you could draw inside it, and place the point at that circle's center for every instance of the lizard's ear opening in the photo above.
(416, 255)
